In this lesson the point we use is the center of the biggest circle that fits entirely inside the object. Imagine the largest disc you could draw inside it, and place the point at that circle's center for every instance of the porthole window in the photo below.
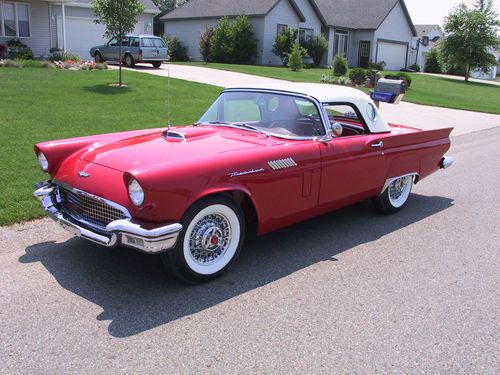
(371, 112)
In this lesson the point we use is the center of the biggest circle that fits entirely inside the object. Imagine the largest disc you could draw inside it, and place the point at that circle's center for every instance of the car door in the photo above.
(353, 165)
(110, 52)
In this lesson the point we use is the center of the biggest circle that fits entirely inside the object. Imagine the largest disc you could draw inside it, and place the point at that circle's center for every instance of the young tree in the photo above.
(283, 44)
(221, 41)
(471, 35)
(206, 44)
(316, 48)
(243, 45)
(297, 53)
(340, 65)
(432, 62)
(120, 18)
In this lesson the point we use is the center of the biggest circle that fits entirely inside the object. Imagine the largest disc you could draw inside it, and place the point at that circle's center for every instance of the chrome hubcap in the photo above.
(210, 239)
(399, 190)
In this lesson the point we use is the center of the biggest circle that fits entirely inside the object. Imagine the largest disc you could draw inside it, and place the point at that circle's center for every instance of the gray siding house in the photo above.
(363, 30)
(67, 25)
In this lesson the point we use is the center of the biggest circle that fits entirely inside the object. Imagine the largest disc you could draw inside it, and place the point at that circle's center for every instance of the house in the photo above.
(362, 30)
(66, 24)
(427, 36)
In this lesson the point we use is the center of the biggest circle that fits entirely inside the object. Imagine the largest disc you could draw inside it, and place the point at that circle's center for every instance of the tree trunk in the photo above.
(120, 62)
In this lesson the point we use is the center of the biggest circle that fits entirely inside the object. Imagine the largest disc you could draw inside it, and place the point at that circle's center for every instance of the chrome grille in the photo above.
(88, 209)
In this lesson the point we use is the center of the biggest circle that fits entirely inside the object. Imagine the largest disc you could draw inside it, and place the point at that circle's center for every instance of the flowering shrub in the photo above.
(79, 65)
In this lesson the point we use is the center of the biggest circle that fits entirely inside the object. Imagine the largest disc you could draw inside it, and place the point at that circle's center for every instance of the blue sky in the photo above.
(434, 11)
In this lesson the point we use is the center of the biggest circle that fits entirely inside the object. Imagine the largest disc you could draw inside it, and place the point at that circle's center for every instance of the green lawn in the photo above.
(428, 90)
(43, 104)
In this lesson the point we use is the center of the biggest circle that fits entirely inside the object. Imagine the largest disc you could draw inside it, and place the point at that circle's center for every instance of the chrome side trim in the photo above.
(282, 163)
(125, 232)
(446, 162)
(391, 179)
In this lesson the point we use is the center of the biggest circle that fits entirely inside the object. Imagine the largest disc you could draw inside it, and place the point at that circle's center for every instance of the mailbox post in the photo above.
(388, 91)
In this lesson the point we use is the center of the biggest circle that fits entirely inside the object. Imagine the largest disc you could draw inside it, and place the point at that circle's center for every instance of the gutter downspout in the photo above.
(63, 27)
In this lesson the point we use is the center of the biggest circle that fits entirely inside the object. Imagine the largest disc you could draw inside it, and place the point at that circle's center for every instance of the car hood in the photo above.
(200, 143)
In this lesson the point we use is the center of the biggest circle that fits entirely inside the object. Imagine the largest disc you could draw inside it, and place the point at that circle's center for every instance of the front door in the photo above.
(364, 54)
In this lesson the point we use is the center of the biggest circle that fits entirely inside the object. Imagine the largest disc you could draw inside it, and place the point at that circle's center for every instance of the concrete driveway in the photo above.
(420, 116)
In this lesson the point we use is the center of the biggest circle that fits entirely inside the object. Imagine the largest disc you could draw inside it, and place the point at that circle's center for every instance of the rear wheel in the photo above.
(98, 58)
(156, 64)
(129, 61)
(395, 195)
(211, 239)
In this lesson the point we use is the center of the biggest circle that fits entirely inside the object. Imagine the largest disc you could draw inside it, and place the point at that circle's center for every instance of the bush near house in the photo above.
(358, 76)
(415, 67)
(432, 62)
(377, 65)
(316, 48)
(243, 45)
(176, 50)
(340, 66)
(283, 44)
(295, 58)
(206, 44)
(18, 50)
(221, 41)
(400, 76)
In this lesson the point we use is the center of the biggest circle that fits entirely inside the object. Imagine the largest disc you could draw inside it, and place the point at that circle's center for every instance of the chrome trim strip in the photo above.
(447, 162)
(282, 163)
(391, 179)
(126, 232)
(175, 135)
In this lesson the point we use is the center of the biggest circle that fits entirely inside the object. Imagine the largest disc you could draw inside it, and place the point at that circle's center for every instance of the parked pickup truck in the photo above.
(260, 158)
(135, 49)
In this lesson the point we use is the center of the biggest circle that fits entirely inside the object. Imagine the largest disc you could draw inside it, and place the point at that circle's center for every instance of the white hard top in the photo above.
(327, 93)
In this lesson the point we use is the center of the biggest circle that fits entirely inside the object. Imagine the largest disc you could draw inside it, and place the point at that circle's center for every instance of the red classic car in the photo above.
(259, 159)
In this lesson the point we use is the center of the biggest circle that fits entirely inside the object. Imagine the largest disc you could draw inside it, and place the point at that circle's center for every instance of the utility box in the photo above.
(389, 91)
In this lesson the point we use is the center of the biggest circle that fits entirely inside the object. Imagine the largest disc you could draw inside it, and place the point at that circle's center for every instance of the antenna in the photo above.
(168, 98)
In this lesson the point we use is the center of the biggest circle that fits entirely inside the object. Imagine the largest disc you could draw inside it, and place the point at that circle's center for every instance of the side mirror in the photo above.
(337, 129)
(329, 134)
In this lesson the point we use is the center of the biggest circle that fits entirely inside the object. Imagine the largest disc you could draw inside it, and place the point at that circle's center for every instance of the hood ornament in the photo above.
(83, 174)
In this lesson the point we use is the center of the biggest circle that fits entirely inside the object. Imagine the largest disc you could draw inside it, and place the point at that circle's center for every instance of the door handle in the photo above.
(380, 144)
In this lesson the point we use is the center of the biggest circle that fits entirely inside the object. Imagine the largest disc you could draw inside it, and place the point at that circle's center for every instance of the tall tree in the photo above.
(120, 18)
(471, 37)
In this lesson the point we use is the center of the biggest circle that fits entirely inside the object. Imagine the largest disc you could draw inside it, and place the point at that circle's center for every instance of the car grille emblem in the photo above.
(83, 174)
(282, 163)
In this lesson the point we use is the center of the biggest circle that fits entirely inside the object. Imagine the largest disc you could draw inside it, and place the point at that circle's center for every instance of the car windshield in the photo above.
(278, 115)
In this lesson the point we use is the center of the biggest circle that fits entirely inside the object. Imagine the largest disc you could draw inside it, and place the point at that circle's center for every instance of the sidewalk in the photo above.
(460, 78)
(420, 116)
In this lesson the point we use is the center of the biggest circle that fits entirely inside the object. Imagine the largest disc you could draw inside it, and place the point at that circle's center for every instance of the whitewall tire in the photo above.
(210, 242)
(395, 195)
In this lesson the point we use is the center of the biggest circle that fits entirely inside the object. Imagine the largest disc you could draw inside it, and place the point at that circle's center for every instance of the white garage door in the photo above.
(393, 54)
(83, 33)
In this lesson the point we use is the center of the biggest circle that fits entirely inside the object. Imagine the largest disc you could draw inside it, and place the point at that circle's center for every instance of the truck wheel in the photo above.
(156, 64)
(211, 239)
(98, 58)
(395, 196)
(129, 61)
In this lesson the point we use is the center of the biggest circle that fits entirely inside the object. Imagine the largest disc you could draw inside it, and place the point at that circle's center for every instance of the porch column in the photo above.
(63, 26)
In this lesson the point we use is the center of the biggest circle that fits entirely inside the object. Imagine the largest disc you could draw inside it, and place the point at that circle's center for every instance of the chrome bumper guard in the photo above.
(446, 162)
(123, 232)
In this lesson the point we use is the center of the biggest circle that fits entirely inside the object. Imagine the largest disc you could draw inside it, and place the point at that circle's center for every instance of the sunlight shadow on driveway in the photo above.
(136, 294)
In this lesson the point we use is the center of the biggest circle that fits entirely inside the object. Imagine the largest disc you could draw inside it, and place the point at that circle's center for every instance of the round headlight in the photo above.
(135, 192)
(42, 161)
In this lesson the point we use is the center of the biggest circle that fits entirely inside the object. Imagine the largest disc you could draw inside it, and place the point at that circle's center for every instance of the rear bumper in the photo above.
(446, 162)
(124, 232)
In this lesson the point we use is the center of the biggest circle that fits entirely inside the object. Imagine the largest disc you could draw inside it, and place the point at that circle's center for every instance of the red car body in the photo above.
(276, 181)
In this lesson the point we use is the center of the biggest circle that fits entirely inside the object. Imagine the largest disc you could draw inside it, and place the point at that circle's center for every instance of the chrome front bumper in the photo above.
(125, 232)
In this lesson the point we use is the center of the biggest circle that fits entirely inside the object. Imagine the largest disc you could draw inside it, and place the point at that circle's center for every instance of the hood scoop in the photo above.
(174, 135)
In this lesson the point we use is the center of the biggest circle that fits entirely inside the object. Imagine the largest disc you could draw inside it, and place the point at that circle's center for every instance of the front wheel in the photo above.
(98, 58)
(156, 64)
(210, 242)
(395, 195)
(129, 61)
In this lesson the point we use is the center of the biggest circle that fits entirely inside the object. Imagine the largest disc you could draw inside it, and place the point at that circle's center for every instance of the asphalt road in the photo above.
(351, 291)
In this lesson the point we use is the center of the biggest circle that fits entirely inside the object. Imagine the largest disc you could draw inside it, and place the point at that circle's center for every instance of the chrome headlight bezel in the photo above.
(43, 162)
(135, 192)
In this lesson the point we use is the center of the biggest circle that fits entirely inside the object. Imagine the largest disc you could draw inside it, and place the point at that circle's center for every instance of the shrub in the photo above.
(316, 48)
(47, 64)
(176, 50)
(415, 67)
(295, 58)
(10, 64)
(358, 75)
(206, 44)
(243, 47)
(401, 76)
(101, 66)
(29, 63)
(377, 65)
(283, 44)
(340, 66)
(432, 62)
(342, 80)
(59, 55)
(221, 41)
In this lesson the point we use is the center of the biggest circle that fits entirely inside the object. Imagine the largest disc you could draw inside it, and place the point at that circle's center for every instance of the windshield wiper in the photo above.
(251, 127)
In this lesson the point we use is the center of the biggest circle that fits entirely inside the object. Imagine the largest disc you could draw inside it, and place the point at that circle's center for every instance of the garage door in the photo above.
(83, 33)
(394, 55)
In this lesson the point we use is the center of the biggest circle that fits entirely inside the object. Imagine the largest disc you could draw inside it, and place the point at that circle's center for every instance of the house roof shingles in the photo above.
(148, 4)
(350, 14)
